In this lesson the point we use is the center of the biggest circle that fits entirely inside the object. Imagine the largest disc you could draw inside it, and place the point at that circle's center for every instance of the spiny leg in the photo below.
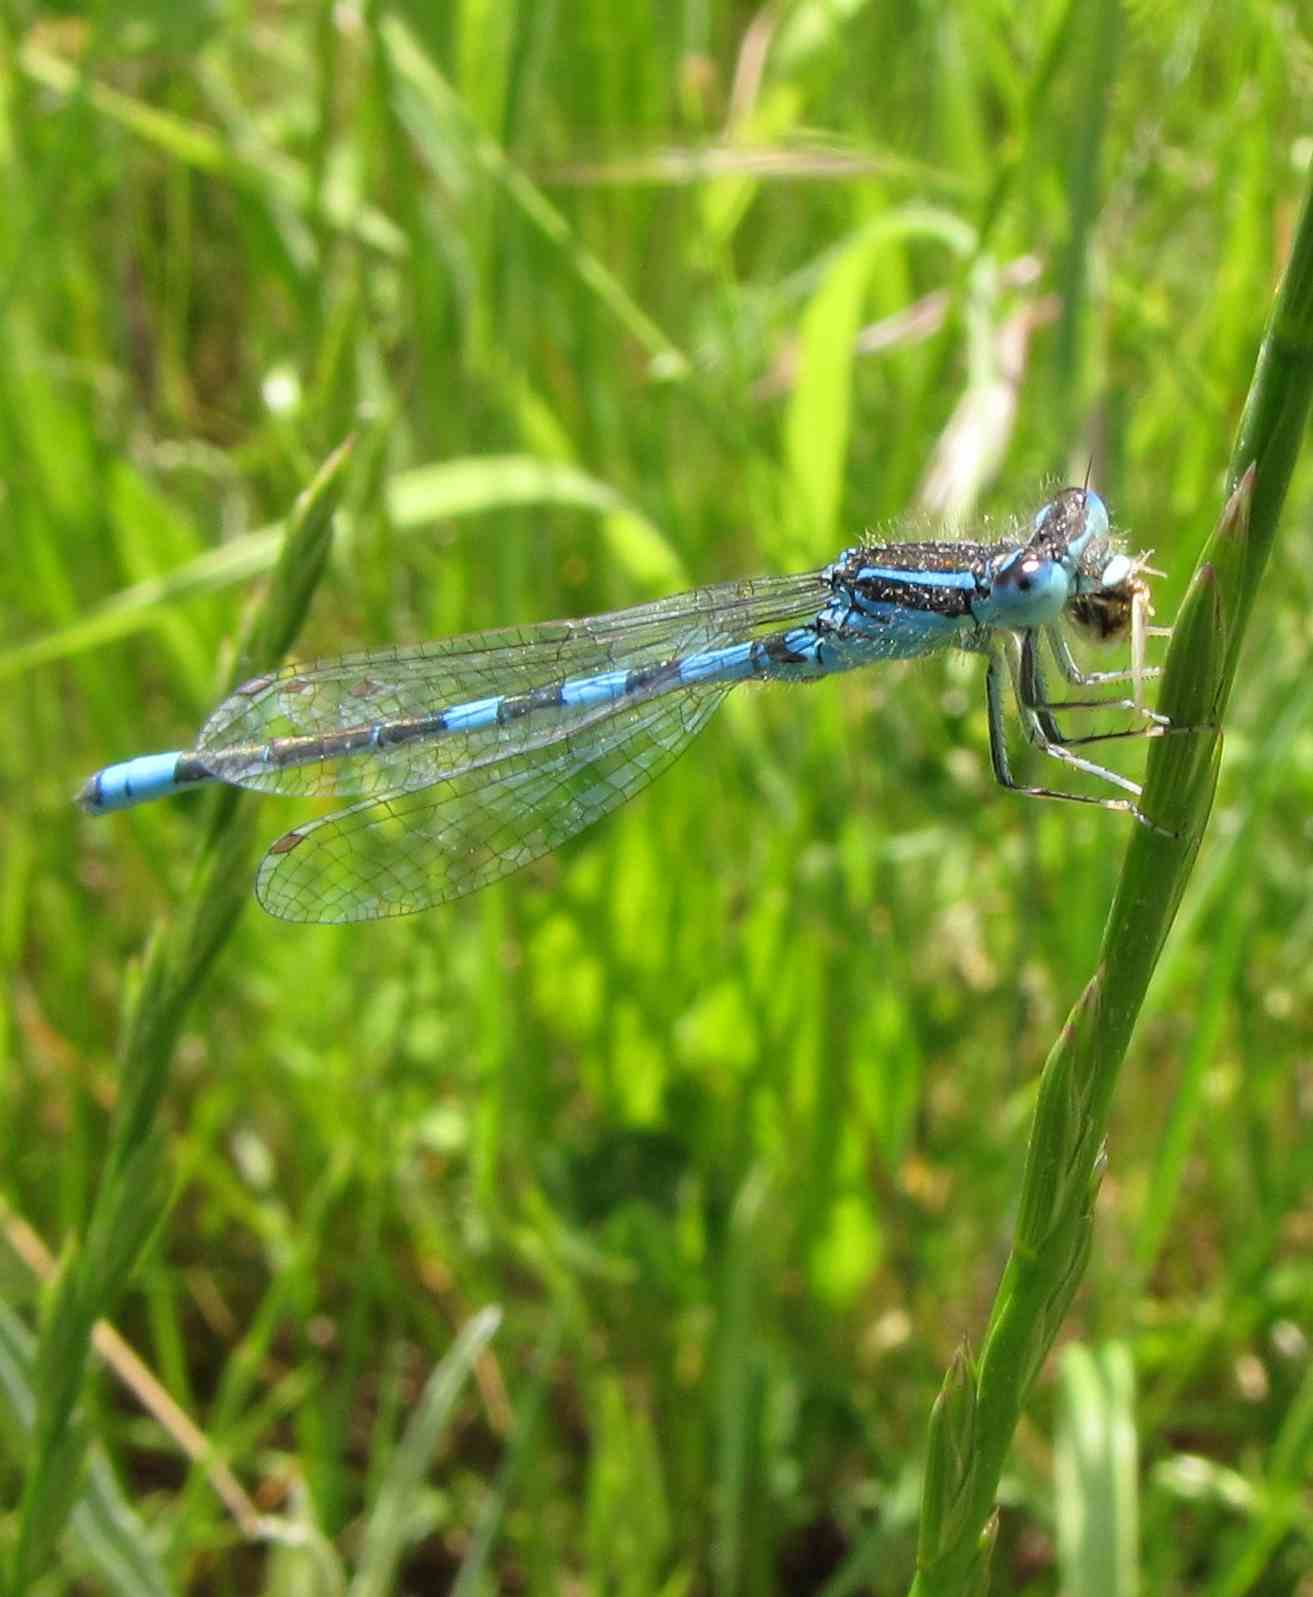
(1036, 709)
(1067, 665)
(1159, 725)
(995, 682)
(1038, 724)
(1070, 669)
(1032, 694)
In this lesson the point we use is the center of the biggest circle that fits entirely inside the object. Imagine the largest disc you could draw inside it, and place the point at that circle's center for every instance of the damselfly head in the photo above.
(1068, 525)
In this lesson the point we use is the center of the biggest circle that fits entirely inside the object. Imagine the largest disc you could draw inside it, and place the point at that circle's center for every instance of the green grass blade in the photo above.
(1053, 1232)
(132, 1194)
(388, 1527)
(106, 1533)
(442, 119)
(416, 500)
(1095, 1466)
(822, 962)
(267, 174)
(519, 1456)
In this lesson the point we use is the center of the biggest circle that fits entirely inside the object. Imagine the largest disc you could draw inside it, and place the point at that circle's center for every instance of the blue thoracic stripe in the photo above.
(919, 579)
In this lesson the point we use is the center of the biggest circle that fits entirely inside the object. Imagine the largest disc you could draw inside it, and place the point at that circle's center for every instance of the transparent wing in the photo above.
(407, 851)
(389, 685)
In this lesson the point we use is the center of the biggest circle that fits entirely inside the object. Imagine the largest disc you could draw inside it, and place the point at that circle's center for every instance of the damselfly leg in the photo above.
(1015, 663)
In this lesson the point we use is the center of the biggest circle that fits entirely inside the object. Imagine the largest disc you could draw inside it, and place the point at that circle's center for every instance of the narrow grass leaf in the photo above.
(1081, 1072)
(1096, 1471)
(739, 1379)
(105, 1532)
(817, 423)
(128, 1201)
(268, 174)
(389, 1519)
(519, 1458)
(447, 119)
(1280, 1510)
(446, 490)
(818, 417)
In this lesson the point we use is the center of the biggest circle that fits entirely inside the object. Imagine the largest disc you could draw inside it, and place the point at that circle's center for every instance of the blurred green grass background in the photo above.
(725, 1105)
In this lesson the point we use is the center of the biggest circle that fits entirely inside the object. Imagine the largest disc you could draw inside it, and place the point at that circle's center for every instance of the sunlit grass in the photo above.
(725, 1106)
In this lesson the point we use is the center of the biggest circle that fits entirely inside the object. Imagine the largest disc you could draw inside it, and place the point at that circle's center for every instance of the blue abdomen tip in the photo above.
(118, 787)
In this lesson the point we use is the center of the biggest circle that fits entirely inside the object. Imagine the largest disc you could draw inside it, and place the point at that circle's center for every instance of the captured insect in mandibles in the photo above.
(469, 757)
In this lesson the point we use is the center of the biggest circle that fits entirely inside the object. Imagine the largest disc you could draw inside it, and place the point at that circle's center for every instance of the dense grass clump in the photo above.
(614, 1230)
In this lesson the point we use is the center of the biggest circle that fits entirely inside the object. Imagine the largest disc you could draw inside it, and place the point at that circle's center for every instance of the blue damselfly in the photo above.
(469, 757)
